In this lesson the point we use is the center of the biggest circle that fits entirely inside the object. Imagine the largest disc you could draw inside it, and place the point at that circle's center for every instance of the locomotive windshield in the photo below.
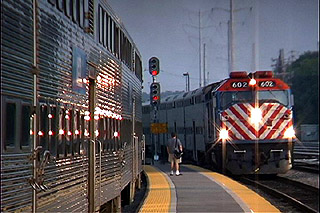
(265, 96)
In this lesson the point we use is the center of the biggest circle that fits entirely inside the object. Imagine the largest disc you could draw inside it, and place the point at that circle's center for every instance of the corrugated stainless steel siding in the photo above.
(67, 182)
(57, 36)
(16, 192)
(127, 167)
(131, 88)
(110, 177)
(16, 48)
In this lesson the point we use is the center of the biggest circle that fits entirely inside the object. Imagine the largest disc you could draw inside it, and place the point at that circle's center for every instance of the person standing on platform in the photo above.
(172, 143)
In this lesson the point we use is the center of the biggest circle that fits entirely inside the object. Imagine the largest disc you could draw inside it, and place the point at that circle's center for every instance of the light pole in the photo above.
(187, 81)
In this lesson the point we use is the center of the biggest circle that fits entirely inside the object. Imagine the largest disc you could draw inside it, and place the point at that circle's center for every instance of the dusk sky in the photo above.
(169, 30)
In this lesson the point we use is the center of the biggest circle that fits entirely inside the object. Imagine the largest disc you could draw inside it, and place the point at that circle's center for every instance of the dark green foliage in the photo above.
(305, 88)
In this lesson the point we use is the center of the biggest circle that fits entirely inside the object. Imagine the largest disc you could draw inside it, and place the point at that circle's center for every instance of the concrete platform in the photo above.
(198, 190)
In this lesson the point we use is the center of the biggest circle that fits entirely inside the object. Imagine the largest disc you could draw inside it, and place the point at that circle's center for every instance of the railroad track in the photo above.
(300, 196)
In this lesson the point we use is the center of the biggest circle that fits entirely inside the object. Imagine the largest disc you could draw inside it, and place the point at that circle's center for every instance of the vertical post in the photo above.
(231, 43)
(92, 151)
(256, 35)
(35, 105)
(224, 155)
(187, 81)
(204, 65)
(200, 49)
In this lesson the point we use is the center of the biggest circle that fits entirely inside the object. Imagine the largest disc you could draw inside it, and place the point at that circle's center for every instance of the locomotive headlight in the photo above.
(289, 133)
(252, 82)
(256, 115)
(224, 134)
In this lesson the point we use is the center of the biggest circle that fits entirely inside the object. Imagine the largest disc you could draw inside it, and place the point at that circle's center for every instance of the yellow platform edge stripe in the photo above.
(254, 201)
(159, 191)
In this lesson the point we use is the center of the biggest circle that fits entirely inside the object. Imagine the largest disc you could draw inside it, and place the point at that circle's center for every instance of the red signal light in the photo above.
(155, 98)
(154, 72)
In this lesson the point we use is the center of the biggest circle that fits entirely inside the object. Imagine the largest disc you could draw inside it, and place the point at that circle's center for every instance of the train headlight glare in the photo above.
(256, 116)
(289, 133)
(252, 82)
(224, 134)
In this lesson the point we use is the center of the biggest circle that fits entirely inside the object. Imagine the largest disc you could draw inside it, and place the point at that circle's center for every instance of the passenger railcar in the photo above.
(71, 119)
(242, 124)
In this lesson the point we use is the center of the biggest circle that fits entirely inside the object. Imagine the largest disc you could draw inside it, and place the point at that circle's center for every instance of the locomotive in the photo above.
(71, 115)
(241, 125)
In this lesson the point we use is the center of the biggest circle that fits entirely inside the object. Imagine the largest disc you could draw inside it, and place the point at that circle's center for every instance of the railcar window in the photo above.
(179, 104)
(62, 132)
(138, 66)
(198, 99)
(101, 25)
(44, 127)
(192, 101)
(10, 124)
(116, 40)
(60, 4)
(82, 131)
(106, 138)
(76, 136)
(68, 135)
(111, 35)
(25, 126)
(55, 130)
(68, 9)
(105, 29)
(101, 128)
(75, 11)
(81, 13)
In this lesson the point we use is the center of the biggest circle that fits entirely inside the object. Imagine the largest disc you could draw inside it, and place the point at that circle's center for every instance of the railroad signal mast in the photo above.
(154, 70)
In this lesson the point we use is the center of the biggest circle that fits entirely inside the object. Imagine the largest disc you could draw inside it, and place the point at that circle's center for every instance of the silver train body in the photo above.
(200, 117)
(71, 119)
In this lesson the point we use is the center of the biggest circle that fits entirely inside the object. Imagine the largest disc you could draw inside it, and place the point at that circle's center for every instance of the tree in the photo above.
(305, 88)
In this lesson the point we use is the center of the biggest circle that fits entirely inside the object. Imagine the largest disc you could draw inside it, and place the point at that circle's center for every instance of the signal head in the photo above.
(154, 67)
(155, 94)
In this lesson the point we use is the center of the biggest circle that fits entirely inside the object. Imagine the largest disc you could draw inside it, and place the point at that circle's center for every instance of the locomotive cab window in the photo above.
(230, 98)
(275, 96)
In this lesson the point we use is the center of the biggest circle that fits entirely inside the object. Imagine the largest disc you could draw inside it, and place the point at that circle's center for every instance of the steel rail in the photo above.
(296, 203)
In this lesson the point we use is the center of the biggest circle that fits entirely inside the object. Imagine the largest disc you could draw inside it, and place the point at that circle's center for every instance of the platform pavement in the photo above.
(201, 190)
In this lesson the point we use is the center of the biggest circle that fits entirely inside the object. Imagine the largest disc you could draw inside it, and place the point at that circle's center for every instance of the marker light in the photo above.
(61, 131)
(289, 133)
(116, 134)
(256, 115)
(96, 132)
(86, 133)
(76, 132)
(50, 116)
(252, 82)
(224, 134)
(40, 133)
(50, 133)
(69, 133)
